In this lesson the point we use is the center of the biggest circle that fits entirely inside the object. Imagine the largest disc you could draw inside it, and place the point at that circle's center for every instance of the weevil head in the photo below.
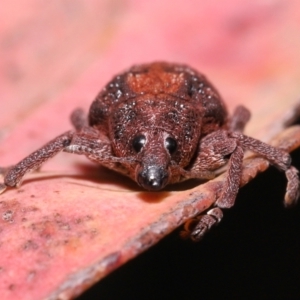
(150, 108)
(157, 133)
(155, 122)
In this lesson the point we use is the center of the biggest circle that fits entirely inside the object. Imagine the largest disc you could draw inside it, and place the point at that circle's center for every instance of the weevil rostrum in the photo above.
(159, 124)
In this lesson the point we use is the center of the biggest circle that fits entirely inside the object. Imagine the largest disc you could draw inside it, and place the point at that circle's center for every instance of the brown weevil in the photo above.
(162, 123)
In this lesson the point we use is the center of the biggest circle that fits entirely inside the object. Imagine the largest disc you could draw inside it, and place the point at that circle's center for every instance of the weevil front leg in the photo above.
(13, 175)
(275, 156)
(215, 150)
(85, 142)
(33, 161)
(219, 153)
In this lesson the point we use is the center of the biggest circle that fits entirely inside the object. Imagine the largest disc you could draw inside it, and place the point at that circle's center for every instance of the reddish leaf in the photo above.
(72, 223)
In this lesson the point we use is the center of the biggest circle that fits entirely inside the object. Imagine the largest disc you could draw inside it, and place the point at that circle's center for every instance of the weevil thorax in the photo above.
(156, 113)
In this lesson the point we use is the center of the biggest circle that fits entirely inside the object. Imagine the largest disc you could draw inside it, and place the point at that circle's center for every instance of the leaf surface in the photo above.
(73, 222)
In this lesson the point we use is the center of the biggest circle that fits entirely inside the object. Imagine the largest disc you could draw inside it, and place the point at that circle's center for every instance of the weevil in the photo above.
(162, 123)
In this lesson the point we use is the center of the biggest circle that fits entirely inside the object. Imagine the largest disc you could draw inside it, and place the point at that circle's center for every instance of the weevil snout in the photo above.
(153, 178)
(154, 149)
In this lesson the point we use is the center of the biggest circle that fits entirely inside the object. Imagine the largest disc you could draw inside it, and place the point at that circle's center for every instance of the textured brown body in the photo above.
(156, 99)
(158, 95)
(162, 123)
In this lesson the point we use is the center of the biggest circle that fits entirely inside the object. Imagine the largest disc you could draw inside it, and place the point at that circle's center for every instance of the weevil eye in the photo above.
(171, 145)
(138, 142)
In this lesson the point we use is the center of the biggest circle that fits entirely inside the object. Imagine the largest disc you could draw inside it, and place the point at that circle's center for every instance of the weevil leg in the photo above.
(239, 119)
(293, 187)
(33, 161)
(213, 152)
(227, 198)
(86, 142)
(96, 146)
(79, 119)
(277, 157)
(204, 223)
(233, 179)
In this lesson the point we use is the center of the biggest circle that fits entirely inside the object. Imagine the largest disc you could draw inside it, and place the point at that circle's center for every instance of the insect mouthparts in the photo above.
(153, 178)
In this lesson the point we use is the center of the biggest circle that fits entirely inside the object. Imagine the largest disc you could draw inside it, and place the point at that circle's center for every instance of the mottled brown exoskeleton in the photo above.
(163, 123)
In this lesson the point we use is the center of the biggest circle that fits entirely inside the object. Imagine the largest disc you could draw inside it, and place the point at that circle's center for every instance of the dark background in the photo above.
(254, 253)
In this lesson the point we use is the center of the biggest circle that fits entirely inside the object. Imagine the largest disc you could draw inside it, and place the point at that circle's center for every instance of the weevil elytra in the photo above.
(162, 123)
